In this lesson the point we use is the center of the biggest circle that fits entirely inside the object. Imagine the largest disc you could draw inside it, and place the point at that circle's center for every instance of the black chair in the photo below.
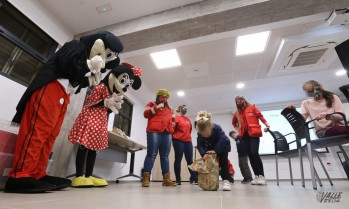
(282, 149)
(345, 90)
(301, 129)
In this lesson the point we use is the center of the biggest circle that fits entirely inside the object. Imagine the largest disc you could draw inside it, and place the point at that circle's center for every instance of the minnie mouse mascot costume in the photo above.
(41, 110)
(90, 127)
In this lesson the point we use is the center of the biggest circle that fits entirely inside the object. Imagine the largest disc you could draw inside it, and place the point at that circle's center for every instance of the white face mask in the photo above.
(310, 94)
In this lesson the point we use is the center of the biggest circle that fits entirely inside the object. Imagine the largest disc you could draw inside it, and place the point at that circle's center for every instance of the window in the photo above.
(24, 46)
(124, 119)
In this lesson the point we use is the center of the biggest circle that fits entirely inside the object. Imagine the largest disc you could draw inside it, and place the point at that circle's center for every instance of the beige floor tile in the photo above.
(130, 195)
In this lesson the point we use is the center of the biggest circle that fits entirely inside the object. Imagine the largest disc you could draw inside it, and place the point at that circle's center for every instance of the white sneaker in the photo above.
(255, 180)
(226, 185)
(261, 180)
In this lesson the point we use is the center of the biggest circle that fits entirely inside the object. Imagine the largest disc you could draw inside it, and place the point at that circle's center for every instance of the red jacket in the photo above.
(159, 122)
(249, 116)
(182, 129)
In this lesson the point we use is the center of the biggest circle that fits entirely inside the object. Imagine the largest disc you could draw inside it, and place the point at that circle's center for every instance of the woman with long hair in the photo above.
(246, 122)
(319, 104)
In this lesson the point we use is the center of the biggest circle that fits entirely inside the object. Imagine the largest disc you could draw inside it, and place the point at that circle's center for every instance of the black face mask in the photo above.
(183, 111)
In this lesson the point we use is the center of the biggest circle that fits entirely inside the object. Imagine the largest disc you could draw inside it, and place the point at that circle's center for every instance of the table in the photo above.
(128, 145)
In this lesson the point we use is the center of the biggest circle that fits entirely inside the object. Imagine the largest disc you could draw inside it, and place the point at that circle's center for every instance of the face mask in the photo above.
(183, 111)
(240, 104)
(310, 94)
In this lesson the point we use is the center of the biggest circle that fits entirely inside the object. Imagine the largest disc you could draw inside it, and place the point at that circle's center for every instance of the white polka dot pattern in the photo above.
(90, 127)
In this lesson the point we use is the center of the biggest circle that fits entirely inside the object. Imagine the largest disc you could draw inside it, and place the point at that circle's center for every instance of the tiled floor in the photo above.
(130, 195)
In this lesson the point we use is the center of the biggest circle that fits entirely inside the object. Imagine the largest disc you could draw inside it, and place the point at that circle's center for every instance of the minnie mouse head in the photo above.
(122, 77)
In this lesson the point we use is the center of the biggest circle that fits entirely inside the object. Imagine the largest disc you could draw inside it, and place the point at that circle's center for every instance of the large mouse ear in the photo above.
(113, 43)
(137, 83)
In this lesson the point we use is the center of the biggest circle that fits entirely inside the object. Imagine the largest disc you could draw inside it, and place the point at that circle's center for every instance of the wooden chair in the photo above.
(301, 129)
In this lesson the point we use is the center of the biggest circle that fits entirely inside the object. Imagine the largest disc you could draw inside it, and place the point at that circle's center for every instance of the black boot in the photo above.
(27, 185)
(59, 182)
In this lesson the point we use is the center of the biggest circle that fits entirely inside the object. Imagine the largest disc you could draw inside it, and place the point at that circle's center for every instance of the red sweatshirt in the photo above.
(182, 129)
(159, 122)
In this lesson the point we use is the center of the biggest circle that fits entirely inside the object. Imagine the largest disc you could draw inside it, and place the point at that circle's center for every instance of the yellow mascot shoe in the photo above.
(82, 182)
(98, 182)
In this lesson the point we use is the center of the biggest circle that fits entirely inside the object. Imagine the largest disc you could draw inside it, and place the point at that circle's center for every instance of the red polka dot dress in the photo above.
(91, 126)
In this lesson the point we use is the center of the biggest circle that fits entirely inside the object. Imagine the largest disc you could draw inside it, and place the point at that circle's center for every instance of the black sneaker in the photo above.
(178, 182)
(194, 182)
(231, 180)
(246, 180)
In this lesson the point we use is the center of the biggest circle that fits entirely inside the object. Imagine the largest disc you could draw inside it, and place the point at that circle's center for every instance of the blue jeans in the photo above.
(158, 142)
(185, 148)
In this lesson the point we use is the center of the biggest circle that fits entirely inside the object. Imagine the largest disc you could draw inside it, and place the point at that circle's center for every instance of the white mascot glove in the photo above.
(95, 65)
(114, 102)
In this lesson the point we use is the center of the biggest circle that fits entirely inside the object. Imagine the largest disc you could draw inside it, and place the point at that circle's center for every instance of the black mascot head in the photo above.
(104, 46)
(109, 52)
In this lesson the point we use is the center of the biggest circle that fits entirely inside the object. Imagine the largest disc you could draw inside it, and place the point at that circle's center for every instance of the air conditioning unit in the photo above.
(339, 17)
(308, 56)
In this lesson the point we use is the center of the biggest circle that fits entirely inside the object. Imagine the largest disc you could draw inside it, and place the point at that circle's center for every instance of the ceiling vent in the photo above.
(308, 56)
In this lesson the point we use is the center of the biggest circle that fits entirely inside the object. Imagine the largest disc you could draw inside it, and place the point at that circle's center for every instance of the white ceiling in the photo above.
(81, 16)
(210, 70)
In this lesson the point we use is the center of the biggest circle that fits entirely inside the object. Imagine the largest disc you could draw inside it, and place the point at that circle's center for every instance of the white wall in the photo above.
(10, 94)
(45, 20)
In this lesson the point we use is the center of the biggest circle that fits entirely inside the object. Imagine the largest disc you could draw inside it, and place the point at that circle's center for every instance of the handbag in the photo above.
(254, 130)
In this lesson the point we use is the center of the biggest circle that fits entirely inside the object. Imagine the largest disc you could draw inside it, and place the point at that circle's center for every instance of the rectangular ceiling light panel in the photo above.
(166, 59)
(252, 43)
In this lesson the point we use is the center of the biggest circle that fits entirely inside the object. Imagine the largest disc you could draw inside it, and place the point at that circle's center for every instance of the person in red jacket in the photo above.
(246, 122)
(182, 144)
(159, 135)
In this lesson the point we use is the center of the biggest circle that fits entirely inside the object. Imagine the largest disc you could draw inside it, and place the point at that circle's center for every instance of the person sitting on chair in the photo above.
(319, 104)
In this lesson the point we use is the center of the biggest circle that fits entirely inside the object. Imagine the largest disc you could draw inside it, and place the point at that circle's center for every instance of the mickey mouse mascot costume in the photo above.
(90, 127)
(41, 110)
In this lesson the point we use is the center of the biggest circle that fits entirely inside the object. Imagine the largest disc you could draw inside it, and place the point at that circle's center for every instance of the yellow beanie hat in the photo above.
(163, 92)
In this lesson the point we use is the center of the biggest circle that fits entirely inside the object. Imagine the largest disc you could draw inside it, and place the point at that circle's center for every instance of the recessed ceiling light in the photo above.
(103, 8)
(240, 85)
(252, 43)
(180, 93)
(341, 72)
(166, 59)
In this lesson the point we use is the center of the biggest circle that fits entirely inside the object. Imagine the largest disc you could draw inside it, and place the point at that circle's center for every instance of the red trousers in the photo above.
(40, 125)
